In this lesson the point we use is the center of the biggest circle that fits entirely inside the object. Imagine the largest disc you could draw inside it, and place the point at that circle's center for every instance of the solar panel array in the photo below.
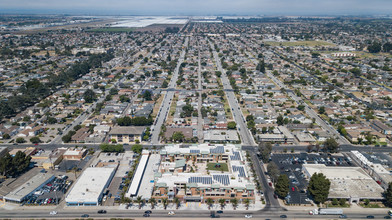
(194, 151)
(200, 179)
(236, 156)
(223, 179)
(217, 150)
(240, 169)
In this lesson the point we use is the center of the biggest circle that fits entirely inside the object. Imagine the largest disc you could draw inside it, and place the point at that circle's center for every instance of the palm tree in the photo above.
(177, 202)
(165, 203)
(152, 202)
(234, 202)
(139, 201)
(222, 203)
(247, 201)
(209, 202)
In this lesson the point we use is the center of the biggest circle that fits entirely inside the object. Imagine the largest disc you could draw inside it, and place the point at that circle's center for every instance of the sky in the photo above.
(199, 7)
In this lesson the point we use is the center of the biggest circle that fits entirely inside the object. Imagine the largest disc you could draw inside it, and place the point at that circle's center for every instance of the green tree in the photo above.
(209, 202)
(247, 202)
(282, 186)
(319, 187)
(234, 203)
(35, 140)
(177, 202)
(342, 202)
(335, 201)
(279, 120)
(273, 171)
(222, 203)
(375, 47)
(321, 110)
(20, 140)
(231, 125)
(139, 201)
(331, 145)
(6, 136)
(147, 95)
(265, 151)
(89, 96)
(152, 202)
(165, 202)
(388, 195)
(137, 148)
(178, 136)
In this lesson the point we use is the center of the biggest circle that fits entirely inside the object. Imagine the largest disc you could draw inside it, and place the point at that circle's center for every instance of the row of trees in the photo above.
(14, 166)
(136, 121)
(222, 202)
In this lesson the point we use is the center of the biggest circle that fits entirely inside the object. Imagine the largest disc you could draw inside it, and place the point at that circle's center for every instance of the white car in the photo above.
(248, 216)
(171, 213)
(53, 213)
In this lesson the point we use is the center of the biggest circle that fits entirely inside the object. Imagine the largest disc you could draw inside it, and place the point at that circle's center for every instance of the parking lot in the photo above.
(291, 165)
(51, 193)
(69, 165)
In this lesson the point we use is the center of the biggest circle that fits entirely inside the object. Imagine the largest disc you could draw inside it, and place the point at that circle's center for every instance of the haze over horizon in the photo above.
(199, 7)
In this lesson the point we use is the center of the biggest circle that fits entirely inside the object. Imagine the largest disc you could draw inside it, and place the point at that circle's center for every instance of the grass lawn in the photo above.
(372, 205)
(112, 29)
(299, 43)
(223, 167)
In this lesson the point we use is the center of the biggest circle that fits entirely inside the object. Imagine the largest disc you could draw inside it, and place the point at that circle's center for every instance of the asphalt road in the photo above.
(194, 214)
(242, 128)
(165, 106)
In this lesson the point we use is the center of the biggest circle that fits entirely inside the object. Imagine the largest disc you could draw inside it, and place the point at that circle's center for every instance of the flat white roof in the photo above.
(30, 186)
(138, 176)
(347, 182)
(90, 185)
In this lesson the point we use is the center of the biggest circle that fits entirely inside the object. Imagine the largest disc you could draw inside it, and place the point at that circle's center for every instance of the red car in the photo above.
(293, 189)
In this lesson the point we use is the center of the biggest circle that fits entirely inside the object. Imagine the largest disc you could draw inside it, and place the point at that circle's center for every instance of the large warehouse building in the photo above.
(88, 190)
(28, 188)
(351, 183)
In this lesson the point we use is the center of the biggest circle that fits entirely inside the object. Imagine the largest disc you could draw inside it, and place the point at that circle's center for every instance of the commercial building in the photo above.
(20, 194)
(199, 172)
(283, 135)
(75, 153)
(133, 189)
(221, 136)
(380, 127)
(48, 159)
(127, 134)
(351, 183)
(89, 189)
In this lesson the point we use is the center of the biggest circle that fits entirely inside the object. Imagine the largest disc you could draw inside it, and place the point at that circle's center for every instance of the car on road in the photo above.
(148, 212)
(370, 217)
(283, 216)
(248, 216)
(85, 216)
(171, 213)
(53, 213)
(220, 212)
(342, 216)
(102, 211)
(387, 217)
(146, 215)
